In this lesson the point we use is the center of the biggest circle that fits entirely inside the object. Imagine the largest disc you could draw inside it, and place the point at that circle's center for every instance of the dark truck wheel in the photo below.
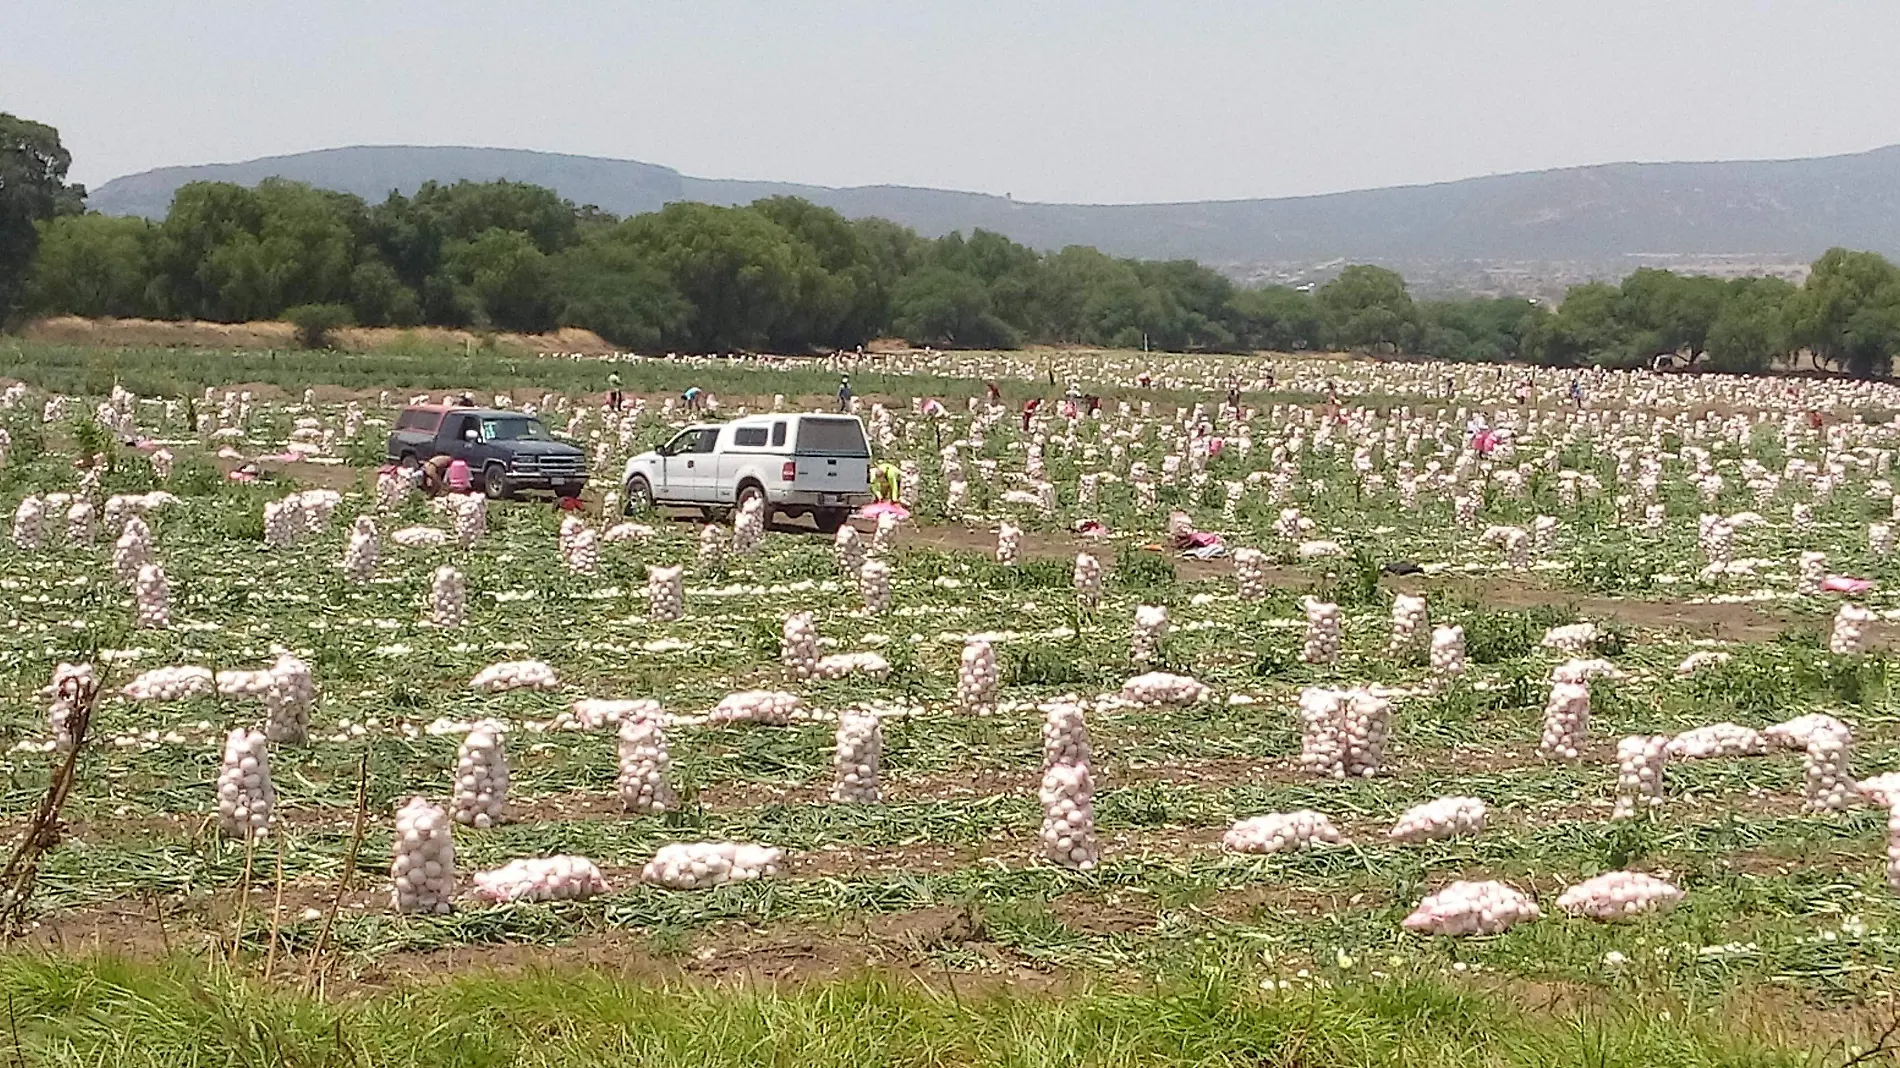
(495, 482)
(639, 496)
(831, 520)
(575, 490)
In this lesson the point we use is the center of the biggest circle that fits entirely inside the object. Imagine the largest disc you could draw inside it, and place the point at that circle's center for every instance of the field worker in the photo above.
(691, 397)
(844, 393)
(613, 390)
(433, 473)
(458, 476)
(886, 482)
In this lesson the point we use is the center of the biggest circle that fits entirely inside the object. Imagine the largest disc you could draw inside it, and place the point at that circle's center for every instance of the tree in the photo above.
(1368, 308)
(508, 277)
(1848, 312)
(379, 297)
(619, 292)
(1194, 305)
(1480, 329)
(1668, 312)
(939, 306)
(1753, 326)
(739, 272)
(33, 188)
(91, 265)
(842, 300)
(316, 322)
(1278, 318)
(467, 209)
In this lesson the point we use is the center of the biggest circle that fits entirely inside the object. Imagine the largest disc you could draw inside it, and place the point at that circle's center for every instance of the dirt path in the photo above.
(1737, 622)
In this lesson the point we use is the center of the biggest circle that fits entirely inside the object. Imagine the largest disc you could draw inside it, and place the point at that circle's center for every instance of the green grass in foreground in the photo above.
(93, 1012)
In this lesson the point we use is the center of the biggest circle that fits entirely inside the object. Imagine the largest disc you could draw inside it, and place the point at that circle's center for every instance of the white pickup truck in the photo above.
(816, 465)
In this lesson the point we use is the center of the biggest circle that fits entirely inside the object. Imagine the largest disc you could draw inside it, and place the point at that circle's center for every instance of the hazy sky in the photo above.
(1104, 100)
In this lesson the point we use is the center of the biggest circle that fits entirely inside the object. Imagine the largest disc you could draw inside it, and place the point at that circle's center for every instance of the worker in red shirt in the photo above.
(1030, 407)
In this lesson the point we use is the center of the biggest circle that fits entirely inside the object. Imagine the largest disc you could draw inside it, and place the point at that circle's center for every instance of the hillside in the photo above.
(1780, 211)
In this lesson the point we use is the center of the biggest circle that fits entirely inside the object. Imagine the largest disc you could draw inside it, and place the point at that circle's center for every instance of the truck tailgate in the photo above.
(832, 474)
(831, 456)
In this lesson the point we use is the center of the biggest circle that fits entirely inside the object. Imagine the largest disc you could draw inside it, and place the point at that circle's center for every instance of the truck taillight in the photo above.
(789, 472)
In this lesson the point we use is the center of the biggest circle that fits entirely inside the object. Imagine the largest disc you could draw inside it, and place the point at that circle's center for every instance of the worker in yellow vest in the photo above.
(886, 482)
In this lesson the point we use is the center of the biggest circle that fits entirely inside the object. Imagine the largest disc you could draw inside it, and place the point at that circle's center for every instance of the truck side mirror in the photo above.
(468, 435)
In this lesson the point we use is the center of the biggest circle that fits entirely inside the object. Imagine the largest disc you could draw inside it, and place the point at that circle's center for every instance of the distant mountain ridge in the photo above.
(1775, 210)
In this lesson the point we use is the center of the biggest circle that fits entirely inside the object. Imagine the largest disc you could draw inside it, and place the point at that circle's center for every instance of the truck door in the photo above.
(745, 453)
(699, 474)
(453, 441)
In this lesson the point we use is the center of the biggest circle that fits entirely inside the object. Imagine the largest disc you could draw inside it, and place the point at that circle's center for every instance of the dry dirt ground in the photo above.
(125, 333)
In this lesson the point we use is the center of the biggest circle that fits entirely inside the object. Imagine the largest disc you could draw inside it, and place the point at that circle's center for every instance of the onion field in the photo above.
(1407, 711)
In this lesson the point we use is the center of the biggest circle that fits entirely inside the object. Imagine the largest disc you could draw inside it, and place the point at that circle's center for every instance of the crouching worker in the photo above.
(886, 482)
(435, 474)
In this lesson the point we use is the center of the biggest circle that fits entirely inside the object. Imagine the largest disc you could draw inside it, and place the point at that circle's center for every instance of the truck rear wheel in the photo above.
(831, 520)
(750, 491)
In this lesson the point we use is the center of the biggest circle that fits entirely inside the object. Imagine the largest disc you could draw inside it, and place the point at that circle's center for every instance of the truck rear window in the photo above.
(831, 437)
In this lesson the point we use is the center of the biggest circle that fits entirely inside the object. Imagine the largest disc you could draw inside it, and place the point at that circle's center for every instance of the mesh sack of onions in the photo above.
(481, 778)
(704, 865)
(770, 707)
(1161, 688)
(514, 675)
(1281, 832)
(557, 878)
(422, 870)
(666, 593)
(977, 679)
(1619, 896)
(1471, 908)
(645, 766)
(245, 795)
(857, 753)
(1446, 817)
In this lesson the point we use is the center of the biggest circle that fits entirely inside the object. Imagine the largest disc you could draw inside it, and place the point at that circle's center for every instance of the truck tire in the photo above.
(408, 462)
(831, 520)
(495, 482)
(573, 490)
(639, 496)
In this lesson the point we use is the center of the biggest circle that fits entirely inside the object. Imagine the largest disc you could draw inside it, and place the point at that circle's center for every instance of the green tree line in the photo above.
(783, 274)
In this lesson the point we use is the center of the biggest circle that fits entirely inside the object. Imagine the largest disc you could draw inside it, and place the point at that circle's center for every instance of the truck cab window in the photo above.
(515, 428)
(708, 440)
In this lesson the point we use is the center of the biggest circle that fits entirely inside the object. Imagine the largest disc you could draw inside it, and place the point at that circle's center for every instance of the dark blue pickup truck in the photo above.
(507, 452)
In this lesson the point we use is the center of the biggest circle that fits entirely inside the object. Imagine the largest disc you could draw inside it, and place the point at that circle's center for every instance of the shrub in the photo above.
(315, 322)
